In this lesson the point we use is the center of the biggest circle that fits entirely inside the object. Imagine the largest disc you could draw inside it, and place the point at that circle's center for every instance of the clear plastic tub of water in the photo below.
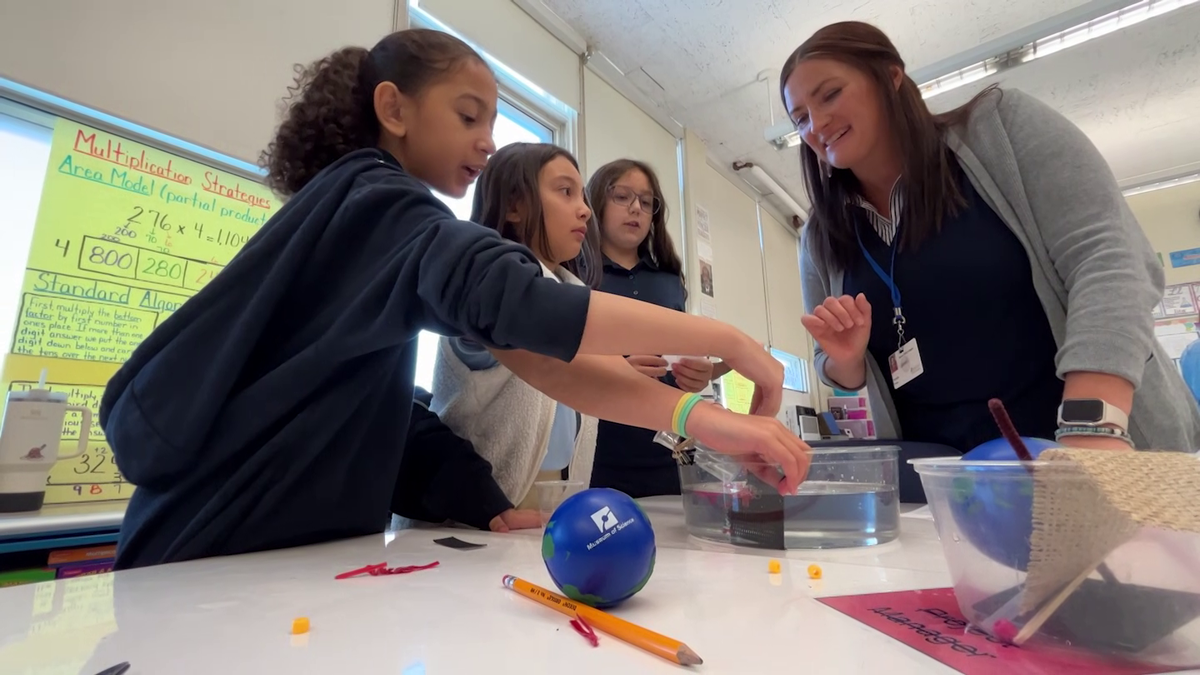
(849, 498)
(1140, 604)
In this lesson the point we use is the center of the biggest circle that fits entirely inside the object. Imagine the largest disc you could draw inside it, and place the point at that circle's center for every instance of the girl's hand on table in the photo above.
(516, 519)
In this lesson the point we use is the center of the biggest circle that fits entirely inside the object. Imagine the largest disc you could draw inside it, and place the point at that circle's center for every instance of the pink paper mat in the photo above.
(929, 621)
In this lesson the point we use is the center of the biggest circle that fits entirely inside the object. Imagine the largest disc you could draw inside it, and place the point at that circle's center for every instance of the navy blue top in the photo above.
(627, 458)
(271, 409)
(441, 476)
(968, 298)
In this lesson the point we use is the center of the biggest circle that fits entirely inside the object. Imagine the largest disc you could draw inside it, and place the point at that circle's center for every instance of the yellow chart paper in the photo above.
(738, 393)
(125, 234)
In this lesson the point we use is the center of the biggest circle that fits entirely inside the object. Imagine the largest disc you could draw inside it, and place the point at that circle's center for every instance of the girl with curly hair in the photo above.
(271, 409)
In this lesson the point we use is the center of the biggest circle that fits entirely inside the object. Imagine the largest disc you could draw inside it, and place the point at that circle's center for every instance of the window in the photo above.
(512, 126)
(526, 114)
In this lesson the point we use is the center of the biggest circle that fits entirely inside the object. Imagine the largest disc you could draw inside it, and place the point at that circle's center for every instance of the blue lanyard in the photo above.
(888, 280)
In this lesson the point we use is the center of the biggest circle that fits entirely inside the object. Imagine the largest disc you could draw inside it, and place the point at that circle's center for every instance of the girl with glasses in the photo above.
(639, 262)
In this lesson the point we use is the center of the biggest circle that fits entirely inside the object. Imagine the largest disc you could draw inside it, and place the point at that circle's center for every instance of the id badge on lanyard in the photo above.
(905, 362)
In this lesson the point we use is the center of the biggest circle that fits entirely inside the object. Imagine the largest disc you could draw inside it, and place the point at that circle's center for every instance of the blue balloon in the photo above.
(1001, 450)
(993, 506)
(599, 547)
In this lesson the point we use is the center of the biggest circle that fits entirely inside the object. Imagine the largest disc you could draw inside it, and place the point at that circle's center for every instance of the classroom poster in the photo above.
(704, 256)
(1178, 301)
(125, 234)
(737, 392)
(1185, 258)
(1175, 336)
(703, 227)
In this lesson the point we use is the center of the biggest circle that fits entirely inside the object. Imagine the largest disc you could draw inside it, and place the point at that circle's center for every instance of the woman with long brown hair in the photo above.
(986, 252)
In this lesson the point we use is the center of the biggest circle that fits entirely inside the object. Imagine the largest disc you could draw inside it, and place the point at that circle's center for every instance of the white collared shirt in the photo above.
(884, 227)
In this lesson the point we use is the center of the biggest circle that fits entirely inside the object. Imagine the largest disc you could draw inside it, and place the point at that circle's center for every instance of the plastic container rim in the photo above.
(825, 452)
(955, 466)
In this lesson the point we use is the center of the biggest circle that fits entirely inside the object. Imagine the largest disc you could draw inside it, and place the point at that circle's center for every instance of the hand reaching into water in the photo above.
(761, 443)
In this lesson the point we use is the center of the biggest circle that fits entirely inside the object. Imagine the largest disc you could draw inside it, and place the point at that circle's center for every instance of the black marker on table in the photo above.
(118, 669)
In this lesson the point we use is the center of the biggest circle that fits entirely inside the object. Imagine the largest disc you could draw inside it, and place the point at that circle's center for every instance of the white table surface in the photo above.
(233, 615)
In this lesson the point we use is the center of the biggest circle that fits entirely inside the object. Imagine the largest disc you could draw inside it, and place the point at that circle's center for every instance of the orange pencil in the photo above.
(659, 645)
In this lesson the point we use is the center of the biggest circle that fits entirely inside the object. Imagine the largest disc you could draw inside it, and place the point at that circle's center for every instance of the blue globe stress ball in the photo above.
(993, 506)
(599, 547)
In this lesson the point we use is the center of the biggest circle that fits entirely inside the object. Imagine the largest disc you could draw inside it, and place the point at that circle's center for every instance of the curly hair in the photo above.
(330, 109)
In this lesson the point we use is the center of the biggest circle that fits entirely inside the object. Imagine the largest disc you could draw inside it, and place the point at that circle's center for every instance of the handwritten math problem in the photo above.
(116, 259)
(90, 477)
(125, 235)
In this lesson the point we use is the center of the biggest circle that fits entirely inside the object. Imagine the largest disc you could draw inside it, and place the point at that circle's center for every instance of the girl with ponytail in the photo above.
(271, 409)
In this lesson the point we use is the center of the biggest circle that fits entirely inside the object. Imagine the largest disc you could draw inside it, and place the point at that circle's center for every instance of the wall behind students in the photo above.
(209, 72)
(1171, 220)
(737, 258)
(785, 302)
(614, 128)
(212, 73)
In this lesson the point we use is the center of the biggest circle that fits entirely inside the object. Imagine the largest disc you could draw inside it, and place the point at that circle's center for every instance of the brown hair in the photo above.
(330, 109)
(657, 245)
(511, 179)
(929, 177)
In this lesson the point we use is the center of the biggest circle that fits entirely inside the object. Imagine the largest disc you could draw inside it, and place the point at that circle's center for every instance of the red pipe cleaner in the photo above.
(1008, 430)
(585, 630)
(382, 569)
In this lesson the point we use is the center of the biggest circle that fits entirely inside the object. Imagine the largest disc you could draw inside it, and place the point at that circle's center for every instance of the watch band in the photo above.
(1091, 412)
(1102, 432)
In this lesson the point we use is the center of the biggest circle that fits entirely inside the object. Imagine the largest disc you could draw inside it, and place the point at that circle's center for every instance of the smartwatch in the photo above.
(1091, 412)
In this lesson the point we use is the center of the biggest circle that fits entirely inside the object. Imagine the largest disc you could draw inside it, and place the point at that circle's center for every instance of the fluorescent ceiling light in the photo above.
(1054, 43)
(1162, 184)
(784, 135)
(774, 188)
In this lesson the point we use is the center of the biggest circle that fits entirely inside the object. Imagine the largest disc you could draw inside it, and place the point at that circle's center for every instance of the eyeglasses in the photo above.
(623, 196)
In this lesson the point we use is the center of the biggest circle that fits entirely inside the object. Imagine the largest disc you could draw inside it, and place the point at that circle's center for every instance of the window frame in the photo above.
(520, 95)
(56, 106)
(516, 91)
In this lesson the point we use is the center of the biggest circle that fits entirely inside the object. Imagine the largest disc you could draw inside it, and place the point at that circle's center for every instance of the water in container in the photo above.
(849, 498)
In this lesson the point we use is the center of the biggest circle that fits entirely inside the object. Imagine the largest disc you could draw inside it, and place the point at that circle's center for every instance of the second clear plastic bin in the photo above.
(1141, 603)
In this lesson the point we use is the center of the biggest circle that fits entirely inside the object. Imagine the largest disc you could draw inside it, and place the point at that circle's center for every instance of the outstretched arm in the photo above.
(609, 388)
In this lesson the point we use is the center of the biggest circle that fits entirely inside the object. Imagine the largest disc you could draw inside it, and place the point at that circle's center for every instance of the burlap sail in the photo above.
(1086, 503)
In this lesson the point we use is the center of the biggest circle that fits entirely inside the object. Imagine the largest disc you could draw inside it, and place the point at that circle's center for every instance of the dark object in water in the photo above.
(1110, 617)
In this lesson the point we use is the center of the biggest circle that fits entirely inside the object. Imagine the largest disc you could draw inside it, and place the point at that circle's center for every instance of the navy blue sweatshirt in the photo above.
(442, 477)
(271, 409)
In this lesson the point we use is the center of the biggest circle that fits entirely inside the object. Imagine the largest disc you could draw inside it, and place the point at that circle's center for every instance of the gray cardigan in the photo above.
(1093, 268)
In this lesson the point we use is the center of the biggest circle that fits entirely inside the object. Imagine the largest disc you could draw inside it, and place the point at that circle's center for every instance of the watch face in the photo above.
(1083, 411)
